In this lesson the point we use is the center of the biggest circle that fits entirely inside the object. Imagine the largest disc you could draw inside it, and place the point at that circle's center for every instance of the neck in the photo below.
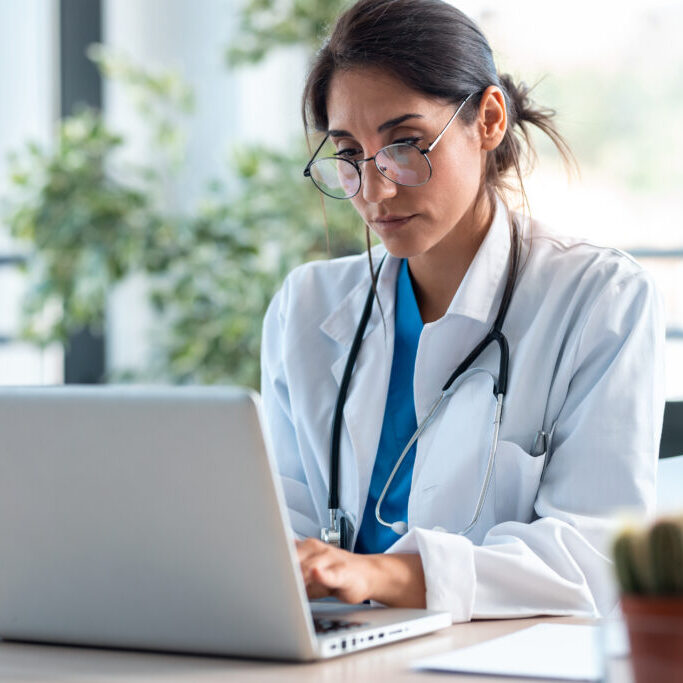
(438, 273)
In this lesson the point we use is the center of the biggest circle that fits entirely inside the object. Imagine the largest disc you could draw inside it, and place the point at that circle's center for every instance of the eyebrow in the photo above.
(391, 123)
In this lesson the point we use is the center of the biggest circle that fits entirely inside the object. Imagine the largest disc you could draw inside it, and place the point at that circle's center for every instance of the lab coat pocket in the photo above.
(517, 477)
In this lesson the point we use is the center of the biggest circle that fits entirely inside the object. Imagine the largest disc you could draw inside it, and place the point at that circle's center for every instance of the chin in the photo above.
(402, 243)
(399, 248)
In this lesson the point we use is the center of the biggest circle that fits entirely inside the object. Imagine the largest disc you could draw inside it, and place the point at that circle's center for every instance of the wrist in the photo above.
(396, 580)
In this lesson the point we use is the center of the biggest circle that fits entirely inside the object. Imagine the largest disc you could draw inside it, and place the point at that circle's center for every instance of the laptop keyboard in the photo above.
(331, 625)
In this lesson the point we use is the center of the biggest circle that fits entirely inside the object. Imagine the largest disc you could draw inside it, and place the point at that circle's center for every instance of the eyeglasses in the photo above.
(404, 163)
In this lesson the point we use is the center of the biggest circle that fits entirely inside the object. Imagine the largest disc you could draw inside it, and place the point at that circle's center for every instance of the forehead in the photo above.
(359, 100)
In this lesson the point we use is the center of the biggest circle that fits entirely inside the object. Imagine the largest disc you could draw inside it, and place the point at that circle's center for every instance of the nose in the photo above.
(374, 186)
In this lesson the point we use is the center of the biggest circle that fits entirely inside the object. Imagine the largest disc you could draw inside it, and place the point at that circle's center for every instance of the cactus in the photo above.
(649, 561)
(624, 563)
(666, 550)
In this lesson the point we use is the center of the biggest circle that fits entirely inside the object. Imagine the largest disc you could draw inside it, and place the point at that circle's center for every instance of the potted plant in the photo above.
(649, 566)
(88, 220)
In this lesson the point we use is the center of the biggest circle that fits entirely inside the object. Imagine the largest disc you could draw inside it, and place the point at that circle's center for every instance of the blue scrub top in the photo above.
(399, 425)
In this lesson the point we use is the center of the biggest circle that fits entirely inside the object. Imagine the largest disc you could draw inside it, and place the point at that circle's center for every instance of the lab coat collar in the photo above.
(342, 323)
(481, 288)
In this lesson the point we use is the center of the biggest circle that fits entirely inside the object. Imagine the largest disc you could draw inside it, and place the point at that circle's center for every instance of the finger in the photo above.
(328, 575)
(316, 591)
(309, 547)
(339, 581)
(336, 581)
(315, 562)
(321, 577)
(314, 568)
(344, 580)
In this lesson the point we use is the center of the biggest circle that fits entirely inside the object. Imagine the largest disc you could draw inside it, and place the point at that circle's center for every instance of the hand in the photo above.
(331, 571)
(396, 580)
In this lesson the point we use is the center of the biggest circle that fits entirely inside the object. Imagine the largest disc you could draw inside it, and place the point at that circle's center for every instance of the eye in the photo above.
(413, 140)
(348, 153)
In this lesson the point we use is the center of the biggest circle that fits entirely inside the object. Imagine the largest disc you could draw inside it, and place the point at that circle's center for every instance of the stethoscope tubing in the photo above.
(495, 334)
(399, 527)
(333, 495)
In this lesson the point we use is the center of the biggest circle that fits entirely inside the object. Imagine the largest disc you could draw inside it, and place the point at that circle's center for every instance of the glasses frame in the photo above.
(356, 162)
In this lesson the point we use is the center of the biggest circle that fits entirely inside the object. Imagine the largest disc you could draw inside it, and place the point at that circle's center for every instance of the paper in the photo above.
(615, 638)
(565, 652)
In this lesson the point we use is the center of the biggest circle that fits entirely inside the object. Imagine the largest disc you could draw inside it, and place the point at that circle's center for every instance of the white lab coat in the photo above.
(586, 334)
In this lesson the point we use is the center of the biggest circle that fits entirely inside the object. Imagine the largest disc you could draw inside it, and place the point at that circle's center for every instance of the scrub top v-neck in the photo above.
(398, 426)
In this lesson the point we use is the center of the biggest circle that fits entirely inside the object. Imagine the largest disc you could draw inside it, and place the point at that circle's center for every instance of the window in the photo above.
(27, 32)
(613, 74)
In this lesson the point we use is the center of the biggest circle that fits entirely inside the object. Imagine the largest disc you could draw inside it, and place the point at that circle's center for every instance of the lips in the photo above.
(392, 220)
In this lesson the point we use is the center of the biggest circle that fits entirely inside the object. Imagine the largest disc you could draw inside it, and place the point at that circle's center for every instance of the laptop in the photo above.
(153, 518)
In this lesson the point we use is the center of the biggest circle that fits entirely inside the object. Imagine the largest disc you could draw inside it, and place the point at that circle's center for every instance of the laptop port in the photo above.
(381, 635)
(371, 637)
(353, 641)
(343, 645)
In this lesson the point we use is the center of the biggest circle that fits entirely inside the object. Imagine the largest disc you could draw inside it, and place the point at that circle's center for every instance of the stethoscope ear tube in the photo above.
(333, 497)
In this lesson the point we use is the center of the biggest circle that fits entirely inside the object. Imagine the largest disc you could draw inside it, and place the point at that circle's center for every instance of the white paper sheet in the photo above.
(549, 651)
(615, 638)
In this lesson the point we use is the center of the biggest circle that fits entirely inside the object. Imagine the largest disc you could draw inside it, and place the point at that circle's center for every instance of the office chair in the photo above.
(672, 430)
(670, 471)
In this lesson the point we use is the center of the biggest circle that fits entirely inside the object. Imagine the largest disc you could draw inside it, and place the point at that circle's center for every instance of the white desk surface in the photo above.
(28, 662)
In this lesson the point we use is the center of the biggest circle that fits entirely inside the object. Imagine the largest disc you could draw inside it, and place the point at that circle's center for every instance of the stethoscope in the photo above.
(340, 532)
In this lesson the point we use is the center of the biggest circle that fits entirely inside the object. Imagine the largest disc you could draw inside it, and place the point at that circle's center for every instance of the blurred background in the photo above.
(151, 194)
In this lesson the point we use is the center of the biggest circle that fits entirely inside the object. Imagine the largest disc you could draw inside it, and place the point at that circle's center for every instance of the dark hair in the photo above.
(437, 50)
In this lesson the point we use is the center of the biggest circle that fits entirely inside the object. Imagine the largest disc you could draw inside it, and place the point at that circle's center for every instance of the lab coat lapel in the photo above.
(366, 398)
(445, 343)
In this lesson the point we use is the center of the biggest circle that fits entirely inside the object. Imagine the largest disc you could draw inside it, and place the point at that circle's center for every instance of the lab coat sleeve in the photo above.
(279, 424)
(602, 459)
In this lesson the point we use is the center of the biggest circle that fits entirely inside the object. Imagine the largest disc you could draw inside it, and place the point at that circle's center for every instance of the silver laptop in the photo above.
(153, 518)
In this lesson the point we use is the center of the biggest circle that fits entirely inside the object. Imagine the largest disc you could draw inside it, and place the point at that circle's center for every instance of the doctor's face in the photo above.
(368, 109)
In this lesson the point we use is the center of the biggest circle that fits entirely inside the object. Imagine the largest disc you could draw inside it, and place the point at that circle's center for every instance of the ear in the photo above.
(492, 118)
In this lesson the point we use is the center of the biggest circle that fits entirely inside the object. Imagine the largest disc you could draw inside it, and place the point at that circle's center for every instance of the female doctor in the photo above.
(460, 411)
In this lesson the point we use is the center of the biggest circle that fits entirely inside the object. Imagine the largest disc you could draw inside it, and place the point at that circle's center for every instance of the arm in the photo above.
(603, 458)
(276, 409)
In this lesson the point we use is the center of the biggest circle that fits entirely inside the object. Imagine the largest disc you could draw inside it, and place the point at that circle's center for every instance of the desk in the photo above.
(390, 663)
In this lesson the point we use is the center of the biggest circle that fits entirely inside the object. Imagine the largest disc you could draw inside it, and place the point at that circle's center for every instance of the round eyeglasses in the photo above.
(404, 163)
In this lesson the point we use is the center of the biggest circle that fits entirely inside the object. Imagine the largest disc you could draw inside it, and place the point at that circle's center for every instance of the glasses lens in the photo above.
(337, 178)
(404, 164)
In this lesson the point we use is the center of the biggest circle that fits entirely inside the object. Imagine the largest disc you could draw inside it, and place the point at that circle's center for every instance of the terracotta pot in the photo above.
(655, 630)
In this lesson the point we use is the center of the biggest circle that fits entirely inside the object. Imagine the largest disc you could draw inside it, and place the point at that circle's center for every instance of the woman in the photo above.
(483, 514)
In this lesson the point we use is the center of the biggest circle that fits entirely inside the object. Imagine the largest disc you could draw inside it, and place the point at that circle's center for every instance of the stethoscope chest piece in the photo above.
(339, 534)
